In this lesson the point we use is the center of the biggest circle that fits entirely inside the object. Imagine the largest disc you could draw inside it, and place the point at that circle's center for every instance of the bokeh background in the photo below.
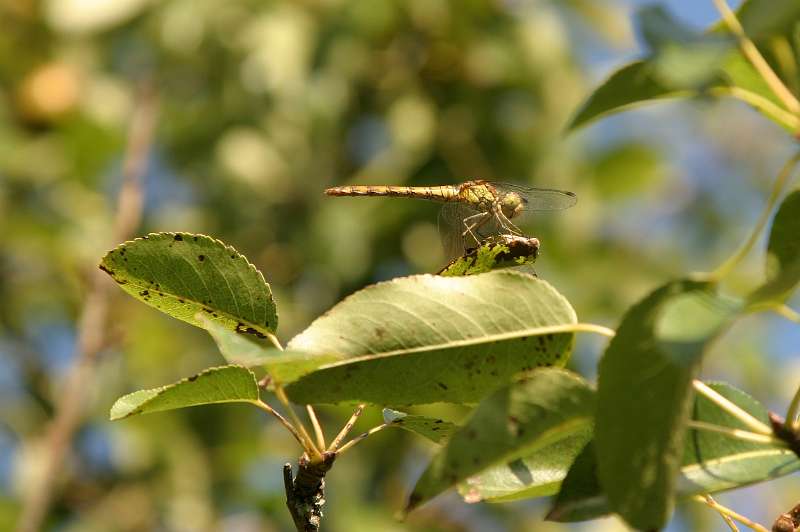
(263, 104)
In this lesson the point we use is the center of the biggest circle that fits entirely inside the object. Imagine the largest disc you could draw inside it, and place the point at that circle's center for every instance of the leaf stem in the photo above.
(787, 312)
(707, 500)
(739, 434)
(756, 59)
(362, 437)
(308, 443)
(754, 424)
(725, 517)
(346, 429)
(285, 422)
(777, 188)
(317, 427)
(791, 414)
(761, 103)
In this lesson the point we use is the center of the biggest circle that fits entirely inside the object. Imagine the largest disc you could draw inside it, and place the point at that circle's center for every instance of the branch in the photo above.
(92, 326)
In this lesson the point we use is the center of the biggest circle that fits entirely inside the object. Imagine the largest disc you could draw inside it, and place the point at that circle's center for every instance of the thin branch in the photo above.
(317, 427)
(285, 422)
(739, 434)
(308, 443)
(765, 105)
(346, 429)
(728, 521)
(756, 59)
(757, 426)
(787, 312)
(794, 409)
(777, 189)
(92, 326)
(362, 437)
(730, 513)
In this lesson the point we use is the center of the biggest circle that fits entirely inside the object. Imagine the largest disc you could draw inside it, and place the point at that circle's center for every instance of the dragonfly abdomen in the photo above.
(437, 193)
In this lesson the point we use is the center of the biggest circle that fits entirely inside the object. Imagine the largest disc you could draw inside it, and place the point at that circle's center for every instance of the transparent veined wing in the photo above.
(452, 228)
(540, 199)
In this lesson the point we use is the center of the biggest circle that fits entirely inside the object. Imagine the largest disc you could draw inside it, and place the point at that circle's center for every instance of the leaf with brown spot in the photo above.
(163, 271)
(226, 384)
(476, 345)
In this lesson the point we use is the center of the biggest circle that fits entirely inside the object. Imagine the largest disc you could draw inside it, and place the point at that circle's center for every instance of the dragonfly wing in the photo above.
(540, 199)
(451, 228)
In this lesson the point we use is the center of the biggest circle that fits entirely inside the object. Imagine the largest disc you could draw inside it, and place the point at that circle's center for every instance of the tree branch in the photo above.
(92, 329)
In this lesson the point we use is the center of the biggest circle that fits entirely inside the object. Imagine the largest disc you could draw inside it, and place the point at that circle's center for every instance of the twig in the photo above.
(765, 105)
(346, 429)
(92, 328)
(362, 437)
(787, 312)
(756, 59)
(305, 494)
(285, 422)
(777, 188)
(728, 521)
(730, 513)
(791, 413)
(731, 408)
(308, 443)
(317, 427)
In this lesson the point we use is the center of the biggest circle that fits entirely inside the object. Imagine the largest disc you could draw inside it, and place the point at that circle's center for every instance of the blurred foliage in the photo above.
(262, 106)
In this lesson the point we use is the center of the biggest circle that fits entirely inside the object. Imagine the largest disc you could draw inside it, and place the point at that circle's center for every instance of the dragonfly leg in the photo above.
(507, 224)
(483, 217)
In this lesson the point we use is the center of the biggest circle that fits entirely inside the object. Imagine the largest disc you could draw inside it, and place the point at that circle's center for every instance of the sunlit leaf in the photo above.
(645, 388)
(783, 254)
(426, 339)
(711, 462)
(435, 429)
(182, 275)
(514, 422)
(245, 350)
(226, 384)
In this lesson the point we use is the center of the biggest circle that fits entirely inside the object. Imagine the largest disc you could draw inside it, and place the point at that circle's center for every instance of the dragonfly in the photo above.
(475, 209)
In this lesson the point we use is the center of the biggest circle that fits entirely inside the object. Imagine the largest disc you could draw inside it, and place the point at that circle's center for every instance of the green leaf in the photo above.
(426, 339)
(645, 388)
(243, 349)
(495, 252)
(436, 430)
(682, 58)
(514, 422)
(712, 462)
(581, 498)
(783, 254)
(182, 275)
(536, 475)
(632, 85)
(226, 384)
(684, 67)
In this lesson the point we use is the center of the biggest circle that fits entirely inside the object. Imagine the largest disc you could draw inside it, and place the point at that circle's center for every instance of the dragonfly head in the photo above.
(512, 204)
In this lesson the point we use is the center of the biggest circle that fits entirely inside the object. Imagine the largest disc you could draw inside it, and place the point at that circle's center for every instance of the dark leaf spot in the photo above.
(442, 385)
(193, 378)
(244, 329)
(179, 237)
(201, 258)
